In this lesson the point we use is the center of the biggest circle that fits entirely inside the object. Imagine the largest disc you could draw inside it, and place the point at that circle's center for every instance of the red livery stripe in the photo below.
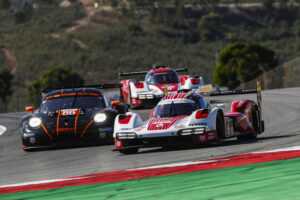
(216, 163)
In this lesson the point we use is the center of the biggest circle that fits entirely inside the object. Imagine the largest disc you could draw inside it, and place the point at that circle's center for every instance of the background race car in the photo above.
(158, 80)
(187, 118)
(70, 117)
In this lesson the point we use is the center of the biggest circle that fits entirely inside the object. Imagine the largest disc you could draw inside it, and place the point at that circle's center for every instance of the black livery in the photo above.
(70, 117)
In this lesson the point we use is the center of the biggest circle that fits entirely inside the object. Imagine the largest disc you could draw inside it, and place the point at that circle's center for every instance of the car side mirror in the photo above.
(29, 109)
(115, 103)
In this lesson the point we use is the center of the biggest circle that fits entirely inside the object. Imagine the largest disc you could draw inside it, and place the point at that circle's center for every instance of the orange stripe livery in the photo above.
(47, 132)
(75, 127)
(86, 128)
(57, 122)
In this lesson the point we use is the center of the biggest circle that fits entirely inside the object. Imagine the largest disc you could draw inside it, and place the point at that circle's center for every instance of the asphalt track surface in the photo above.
(281, 112)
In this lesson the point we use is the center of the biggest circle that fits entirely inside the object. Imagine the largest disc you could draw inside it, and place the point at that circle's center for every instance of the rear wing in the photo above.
(121, 74)
(207, 90)
(132, 73)
(101, 86)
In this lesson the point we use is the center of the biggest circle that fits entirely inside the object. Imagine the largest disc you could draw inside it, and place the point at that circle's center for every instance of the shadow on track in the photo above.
(232, 142)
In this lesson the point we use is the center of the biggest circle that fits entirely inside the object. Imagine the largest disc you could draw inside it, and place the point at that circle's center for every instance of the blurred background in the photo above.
(229, 43)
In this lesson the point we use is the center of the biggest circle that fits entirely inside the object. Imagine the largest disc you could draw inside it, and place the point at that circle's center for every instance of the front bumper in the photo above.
(208, 136)
(39, 138)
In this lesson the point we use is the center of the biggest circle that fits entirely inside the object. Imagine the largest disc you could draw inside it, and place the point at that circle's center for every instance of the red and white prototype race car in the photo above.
(187, 118)
(150, 91)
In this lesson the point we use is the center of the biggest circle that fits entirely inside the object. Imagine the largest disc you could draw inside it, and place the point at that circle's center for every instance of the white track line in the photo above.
(295, 148)
(2, 129)
(177, 164)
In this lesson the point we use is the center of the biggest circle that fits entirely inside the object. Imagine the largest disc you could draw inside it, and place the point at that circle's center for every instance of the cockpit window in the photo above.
(174, 109)
(165, 77)
(83, 102)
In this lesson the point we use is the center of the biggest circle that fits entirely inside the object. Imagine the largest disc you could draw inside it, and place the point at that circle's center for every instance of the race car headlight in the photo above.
(124, 136)
(186, 132)
(100, 117)
(35, 122)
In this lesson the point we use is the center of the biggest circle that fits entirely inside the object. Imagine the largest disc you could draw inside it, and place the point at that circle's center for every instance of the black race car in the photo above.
(70, 117)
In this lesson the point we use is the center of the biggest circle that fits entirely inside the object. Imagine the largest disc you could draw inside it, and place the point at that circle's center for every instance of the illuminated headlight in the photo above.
(100, 117)
(124, 136)
(35, 122)
(142, 96)
(150, 96)
(186, 132)
(199, 130)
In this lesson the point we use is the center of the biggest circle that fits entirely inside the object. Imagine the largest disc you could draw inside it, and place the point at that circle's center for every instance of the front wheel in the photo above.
(220, 129)
(129, 151)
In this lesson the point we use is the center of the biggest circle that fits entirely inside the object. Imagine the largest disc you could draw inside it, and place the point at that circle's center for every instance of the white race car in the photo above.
(158, 81)
(187, 118)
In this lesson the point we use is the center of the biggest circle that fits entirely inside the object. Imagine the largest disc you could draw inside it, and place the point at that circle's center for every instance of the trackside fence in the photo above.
(284, 76)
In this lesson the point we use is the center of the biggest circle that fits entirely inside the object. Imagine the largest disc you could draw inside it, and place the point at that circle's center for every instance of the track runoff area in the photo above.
(260, 175)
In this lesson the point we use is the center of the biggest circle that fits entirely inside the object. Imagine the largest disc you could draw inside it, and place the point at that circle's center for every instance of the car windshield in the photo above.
(174, 109)
(168, 77)
(83, 102)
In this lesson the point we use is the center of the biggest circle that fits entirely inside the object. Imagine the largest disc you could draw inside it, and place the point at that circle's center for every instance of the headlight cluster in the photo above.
(146, 96)
(35, 122)
(192, 131)
(125, 135)
(100, 117)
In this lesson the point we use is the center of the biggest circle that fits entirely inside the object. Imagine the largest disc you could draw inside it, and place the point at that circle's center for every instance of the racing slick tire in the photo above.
(129, 151)
(220, 128)
(256, 127)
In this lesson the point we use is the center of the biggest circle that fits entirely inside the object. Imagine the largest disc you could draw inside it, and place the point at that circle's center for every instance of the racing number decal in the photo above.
(69, 112)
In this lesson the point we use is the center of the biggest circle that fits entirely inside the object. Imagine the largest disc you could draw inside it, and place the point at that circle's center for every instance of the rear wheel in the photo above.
(129, 151)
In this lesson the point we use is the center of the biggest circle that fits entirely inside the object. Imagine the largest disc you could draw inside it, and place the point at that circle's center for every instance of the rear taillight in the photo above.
(195, 81)
(139, 85)
(200, 114)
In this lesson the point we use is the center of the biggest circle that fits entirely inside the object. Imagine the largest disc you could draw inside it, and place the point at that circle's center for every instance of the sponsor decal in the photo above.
(179, 126)
(211, 137)
(202, 138)
(102, 135)
(32, 140)
(140, 128)
(161, 124)
(198, 124)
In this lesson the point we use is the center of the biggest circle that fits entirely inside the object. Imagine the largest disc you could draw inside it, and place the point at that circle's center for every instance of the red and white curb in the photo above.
(158, 170)
(2, 129)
